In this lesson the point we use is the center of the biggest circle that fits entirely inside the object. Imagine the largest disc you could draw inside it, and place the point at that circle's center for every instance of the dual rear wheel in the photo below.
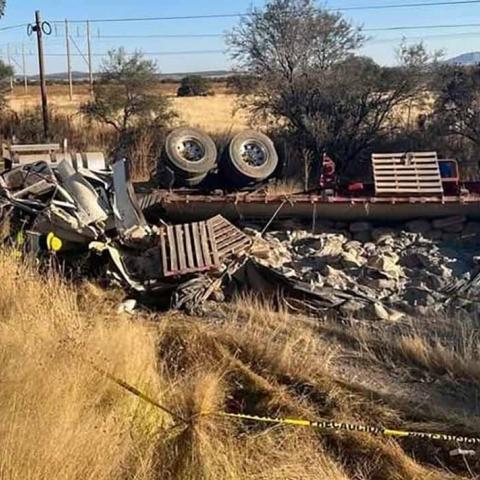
(250, 157)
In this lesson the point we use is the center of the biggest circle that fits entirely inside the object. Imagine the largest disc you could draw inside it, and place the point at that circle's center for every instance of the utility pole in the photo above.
(69, 64)
(9, 59)
(24, 65)
(89, 46)
(41, 66)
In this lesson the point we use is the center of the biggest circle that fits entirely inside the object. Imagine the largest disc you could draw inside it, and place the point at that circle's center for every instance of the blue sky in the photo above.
(381, 46)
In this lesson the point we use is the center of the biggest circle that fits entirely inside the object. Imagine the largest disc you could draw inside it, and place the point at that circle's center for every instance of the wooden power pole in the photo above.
(37, 28)
(24, 67)
(89, 53)
(9, 59)
(69, 62)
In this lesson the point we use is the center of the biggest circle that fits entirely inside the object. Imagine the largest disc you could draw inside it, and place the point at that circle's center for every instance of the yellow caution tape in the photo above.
(350, 427)
(322, 425)
(135, 391)
(54, 244)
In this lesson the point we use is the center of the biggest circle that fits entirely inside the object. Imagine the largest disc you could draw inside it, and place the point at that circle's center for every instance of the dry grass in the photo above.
(285, 187)
(61, 419)
(215, 114)
(440, 346)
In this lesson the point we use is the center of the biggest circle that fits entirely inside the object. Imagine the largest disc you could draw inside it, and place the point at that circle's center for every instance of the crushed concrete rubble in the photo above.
(91, 218)
(414, 267)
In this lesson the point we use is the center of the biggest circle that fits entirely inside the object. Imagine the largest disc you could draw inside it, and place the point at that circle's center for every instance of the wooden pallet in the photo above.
(407, 173)
(187, 248)
(200, 246)
(230, 240)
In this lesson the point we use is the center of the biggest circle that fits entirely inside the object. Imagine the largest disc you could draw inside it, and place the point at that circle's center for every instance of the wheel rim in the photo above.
(253, 153)
(190, 149)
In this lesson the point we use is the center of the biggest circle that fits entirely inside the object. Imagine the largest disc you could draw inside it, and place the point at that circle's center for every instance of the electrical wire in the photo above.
(422, 27)
(152, 54)
(13, 27)
(408, 5)
(422, 37)
(240, 14)
(220, 35)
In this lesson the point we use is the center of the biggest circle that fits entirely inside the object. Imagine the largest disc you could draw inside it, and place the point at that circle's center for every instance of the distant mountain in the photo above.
(77, 76)
(471, 58)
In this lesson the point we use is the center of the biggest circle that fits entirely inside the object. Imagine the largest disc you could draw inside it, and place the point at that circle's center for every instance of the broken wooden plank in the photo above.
(179, 236)
(172, 250)
(188, 247)
(197, 246)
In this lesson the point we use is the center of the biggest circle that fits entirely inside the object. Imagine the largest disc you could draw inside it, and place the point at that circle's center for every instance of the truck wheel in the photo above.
(190, 151)
(251, 157)
(194, 181)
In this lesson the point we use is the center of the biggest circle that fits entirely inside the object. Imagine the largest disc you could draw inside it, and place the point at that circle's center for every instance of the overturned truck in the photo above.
(90, 220)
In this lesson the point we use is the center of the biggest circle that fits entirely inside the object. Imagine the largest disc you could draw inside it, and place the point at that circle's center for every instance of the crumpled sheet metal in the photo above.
(269, 281)
(128, 215)
(90, 208)
(75, 205)
(117, 260)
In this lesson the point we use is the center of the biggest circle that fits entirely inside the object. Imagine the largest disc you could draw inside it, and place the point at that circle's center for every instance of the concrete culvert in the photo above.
(191, 153)
(250, 158)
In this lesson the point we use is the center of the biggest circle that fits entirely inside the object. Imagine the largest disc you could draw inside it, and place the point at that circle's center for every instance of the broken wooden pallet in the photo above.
(229, 239)
(199, 246)
(407, 173)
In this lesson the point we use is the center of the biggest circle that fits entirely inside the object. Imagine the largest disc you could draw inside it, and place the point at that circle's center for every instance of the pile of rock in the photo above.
(407, 266)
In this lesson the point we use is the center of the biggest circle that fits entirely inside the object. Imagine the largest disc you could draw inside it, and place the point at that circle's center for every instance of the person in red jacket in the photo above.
(327, 173)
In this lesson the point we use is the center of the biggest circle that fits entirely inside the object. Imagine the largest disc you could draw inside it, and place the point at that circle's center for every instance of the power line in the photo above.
(173, 35)
(148, 19)
(220, 35)
(153, 54)
(166, 35)
(207, 51)
(408, 5)
(13, 27)
(423, 37)
(239, 14)
(422, 27)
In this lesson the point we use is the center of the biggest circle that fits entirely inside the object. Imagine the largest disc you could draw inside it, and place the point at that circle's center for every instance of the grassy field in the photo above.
(62, 419)
(218, 113)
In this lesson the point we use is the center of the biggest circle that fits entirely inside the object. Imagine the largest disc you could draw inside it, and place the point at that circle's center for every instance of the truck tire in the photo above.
(190, 151)
(194, 181)
(251, 158)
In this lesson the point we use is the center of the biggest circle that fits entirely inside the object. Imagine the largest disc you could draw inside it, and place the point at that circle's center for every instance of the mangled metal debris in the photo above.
(92, 217)
(62, 210)
(15, 155)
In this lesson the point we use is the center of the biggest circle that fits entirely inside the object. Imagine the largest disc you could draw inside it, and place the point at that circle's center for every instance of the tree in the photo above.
(291, 37)
(310, 81)
(420, 65)
(194, 86)
(242, 84)
(6, 72)
(457, 107)
(345, 111)
(125, 93)
(416, 56)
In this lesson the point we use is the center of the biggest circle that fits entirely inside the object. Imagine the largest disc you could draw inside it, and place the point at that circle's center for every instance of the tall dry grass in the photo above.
(214, 113)
(58, 417)
(61, 419)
